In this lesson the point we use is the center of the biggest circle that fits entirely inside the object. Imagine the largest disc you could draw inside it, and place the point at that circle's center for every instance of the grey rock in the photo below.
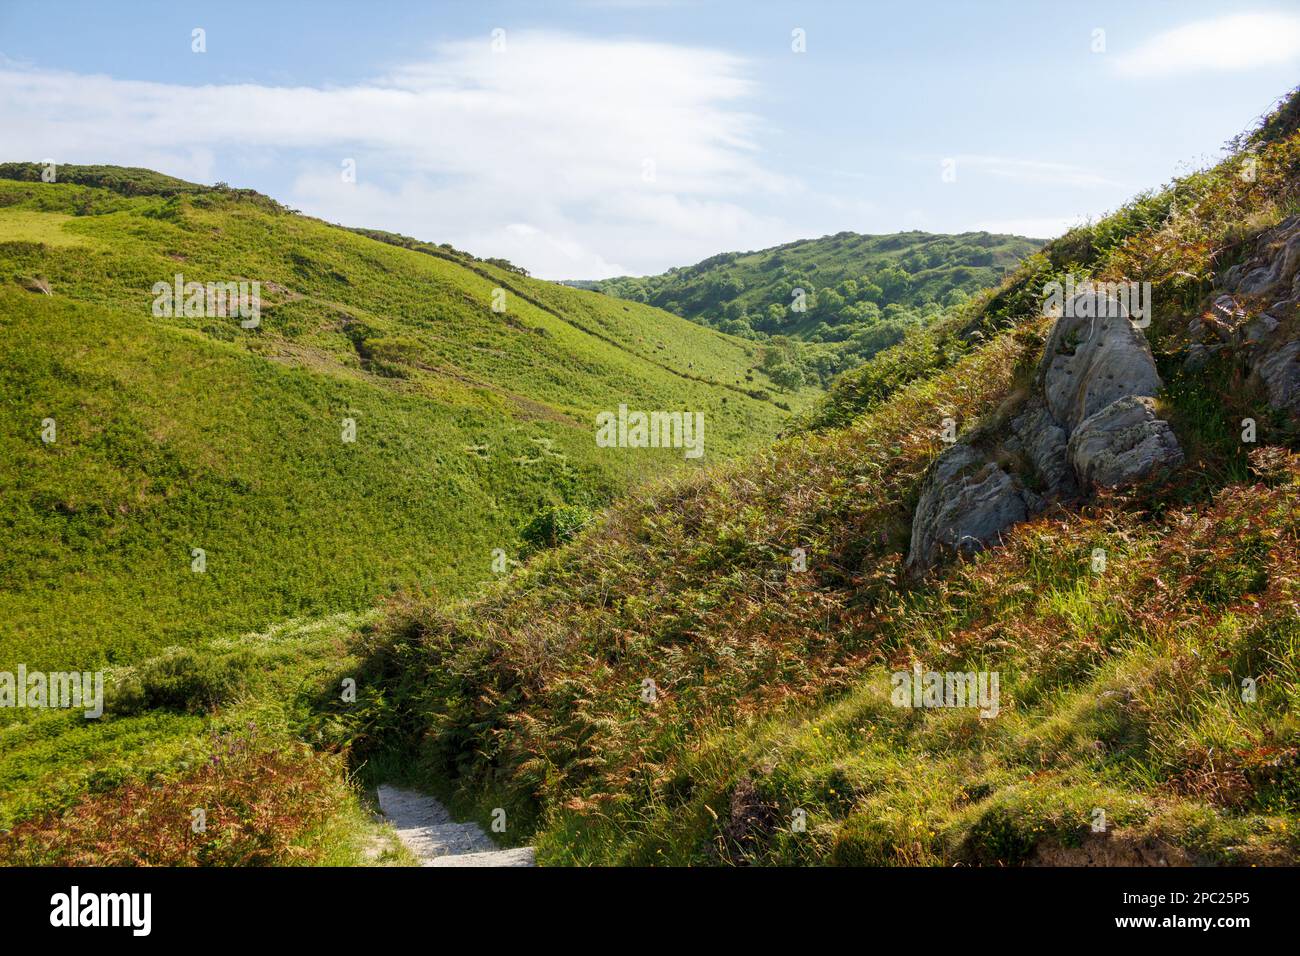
(1091, 420)
(1228, 308)
(1090, 362)
(1279, 369)
(1122, 443)
(1043, 442)
(966, 503)
(1259, 280)
(1273, 269)
(1277, 270)
(1260, 327)
(1272, 273)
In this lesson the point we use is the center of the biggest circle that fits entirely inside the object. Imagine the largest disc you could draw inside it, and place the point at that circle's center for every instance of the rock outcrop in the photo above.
(966, 502)
(1279, 369)
(1256, 319)
(1122, 443)
(1090, 421)
(1091, 361)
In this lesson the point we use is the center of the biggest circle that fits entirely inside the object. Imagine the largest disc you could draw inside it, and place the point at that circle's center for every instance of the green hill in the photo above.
(860, 293)
(703, 674)
(705, 677)
(176, 433)
(222, 501)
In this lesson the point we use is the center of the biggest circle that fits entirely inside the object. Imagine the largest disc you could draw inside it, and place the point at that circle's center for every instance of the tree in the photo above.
(830, 302)
(774, 319)
(894, 282)
(740, 327)
(782, 363)
(862, 312)
(780, 350)
(731, 286)
(786, 376)
(868, 291)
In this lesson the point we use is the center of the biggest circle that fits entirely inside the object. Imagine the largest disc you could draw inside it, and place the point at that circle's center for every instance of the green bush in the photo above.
(184, 679)
(553, 526)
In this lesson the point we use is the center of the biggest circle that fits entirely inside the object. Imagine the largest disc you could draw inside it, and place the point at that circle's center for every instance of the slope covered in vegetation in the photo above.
(706, 675)
(860, 293)
(201, 507)
(174, 433)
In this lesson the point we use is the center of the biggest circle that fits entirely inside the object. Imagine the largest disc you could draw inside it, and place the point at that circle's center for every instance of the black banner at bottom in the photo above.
(301, 905)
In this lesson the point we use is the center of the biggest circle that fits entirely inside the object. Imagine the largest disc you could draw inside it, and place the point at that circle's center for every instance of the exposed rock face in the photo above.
(1271, 272)
(1036, 436)
(1256, 318)
(1090, 362)
(1090, 422)
(1122, 443)
(1279, 369)
(967, 501)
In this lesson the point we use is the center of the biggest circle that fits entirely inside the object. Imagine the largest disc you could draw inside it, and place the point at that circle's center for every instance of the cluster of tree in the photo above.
(442, 250)
(831, 313)
(782, 361)
(830, 303)
(125, 180)
(792, 363)
(842, 279)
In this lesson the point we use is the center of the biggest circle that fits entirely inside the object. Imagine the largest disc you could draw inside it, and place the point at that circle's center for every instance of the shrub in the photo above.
(261, 801)
(553, 526)
(181, 678)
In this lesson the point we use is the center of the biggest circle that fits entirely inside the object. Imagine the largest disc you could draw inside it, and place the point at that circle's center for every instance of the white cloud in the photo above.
(1237, 42)
(552, 135)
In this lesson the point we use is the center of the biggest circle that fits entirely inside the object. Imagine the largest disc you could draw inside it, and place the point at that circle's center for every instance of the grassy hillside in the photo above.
(231, 727)
(1121, 689)
(474, 428)
(861, 293)
(176, 433)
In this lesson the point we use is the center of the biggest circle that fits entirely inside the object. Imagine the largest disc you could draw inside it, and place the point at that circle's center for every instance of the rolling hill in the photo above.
(906, 269)
(707, 676)
(176, 432)
(860, 293)
(206, 504)
(703, 674)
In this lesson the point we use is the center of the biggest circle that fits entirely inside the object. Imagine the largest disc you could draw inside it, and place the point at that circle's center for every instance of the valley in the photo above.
(457, 540)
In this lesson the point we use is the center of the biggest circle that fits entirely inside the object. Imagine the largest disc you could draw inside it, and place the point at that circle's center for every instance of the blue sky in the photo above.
(626, 136)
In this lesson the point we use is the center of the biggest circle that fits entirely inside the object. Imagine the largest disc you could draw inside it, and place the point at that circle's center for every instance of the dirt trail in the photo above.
(427, 829)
